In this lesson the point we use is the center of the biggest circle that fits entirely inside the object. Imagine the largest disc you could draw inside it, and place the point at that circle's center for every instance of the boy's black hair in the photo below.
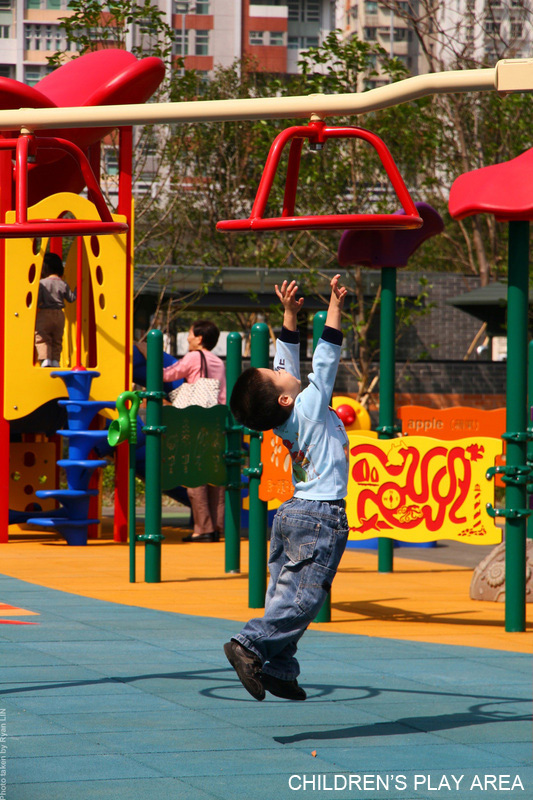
(255, 402)
(208, 331)
(53, 265)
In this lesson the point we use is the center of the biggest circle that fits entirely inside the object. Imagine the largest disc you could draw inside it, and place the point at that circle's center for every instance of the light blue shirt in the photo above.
(313, 434)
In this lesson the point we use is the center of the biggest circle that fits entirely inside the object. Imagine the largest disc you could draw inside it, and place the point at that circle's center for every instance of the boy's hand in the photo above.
(338, 293)
(287, 297)
(336, 302)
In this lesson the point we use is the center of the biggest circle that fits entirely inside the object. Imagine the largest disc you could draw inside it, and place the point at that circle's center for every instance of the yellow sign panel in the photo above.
(418, 489)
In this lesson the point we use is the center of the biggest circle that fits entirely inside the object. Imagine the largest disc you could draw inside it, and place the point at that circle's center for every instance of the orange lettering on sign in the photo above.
(451, 423)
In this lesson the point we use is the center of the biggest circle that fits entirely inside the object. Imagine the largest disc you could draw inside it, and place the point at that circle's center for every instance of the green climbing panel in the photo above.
(193, 446)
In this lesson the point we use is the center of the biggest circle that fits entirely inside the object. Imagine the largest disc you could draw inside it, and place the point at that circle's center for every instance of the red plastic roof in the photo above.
(505, 190)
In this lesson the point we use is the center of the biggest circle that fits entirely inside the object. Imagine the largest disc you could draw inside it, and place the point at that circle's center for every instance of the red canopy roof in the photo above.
(505, 190)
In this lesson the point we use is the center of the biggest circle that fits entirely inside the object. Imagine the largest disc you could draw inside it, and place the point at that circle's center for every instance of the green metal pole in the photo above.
(515, 493)
(131, 515)
(319, 320)
(257, 528)
(153, 429)
(232, 511)
(530, 428)
(387, 361)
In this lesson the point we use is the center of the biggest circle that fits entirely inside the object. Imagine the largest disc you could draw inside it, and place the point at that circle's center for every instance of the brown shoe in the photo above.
(289, 690)
(247, 666)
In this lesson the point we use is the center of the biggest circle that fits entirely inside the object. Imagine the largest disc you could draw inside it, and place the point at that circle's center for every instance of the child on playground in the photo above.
(310, 530)
(50, 322)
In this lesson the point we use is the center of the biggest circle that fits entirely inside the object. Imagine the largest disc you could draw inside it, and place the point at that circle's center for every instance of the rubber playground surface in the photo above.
(114, 690)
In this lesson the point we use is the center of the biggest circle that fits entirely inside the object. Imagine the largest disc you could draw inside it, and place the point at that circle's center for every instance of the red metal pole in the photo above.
(120, 526)
(5, 205)
(79, 300)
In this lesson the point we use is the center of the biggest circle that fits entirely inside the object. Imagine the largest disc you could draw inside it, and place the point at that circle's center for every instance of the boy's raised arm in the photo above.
(336, 303)
(291, 306)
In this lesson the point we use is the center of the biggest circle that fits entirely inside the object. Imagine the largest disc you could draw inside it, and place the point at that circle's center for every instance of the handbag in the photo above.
(203, 393)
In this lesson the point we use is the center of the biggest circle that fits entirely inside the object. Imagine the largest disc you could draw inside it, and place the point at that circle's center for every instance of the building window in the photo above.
(33, 35)
(256, 37)
(5, 4)
(32, 75)
(6, 71)
(201, 47)
(371, 7)
(492, 27)
(181, 44)
(517, 30)
(33, 3)
(371, 34)
(304, 10)
(302, 42)
(202, 6)
(111, 162)
(400, 34)
(5, 30)
(53, 4)
(276, 38)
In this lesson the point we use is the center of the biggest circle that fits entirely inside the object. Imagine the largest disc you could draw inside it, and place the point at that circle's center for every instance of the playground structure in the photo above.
(111, 375)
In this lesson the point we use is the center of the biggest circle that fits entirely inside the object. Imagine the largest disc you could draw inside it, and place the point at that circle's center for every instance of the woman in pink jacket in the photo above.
(207, 502)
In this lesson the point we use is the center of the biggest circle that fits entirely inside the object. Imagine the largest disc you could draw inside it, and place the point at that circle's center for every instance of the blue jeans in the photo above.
(306, 545)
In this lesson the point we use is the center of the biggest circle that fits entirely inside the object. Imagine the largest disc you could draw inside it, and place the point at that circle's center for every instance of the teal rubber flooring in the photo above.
(109, 702)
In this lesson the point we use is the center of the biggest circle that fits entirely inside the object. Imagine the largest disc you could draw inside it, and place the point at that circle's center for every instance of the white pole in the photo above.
(507, 76)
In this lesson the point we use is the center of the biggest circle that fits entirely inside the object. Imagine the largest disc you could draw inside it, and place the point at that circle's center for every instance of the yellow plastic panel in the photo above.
(27, 385)
(418, 489)
(32, 466)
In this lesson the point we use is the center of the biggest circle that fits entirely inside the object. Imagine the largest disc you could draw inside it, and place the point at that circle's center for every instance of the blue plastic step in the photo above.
(79, 471)
(75, 531)
(80, 443)
(21, 517)
(75, 501)
(82, 412)
(77, 381)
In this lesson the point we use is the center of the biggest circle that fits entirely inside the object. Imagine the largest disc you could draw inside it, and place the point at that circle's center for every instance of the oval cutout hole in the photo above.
(99, 275)
(29, 459)
(29, 298)
(101, 301)
(95, 246)
(32, 272)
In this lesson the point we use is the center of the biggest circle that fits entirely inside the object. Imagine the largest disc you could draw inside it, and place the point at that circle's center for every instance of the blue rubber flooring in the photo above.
(109, 702)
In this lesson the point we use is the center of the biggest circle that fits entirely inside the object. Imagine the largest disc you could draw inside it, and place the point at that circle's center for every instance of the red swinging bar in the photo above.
(317, 132)
(26, 146)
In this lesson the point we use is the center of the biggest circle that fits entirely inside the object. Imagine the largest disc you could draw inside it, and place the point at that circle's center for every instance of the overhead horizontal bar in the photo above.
(509, 75)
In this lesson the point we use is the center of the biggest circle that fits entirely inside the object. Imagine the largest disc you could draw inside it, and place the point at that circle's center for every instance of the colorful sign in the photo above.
(451, 423)
(276, 479)
(417, 489)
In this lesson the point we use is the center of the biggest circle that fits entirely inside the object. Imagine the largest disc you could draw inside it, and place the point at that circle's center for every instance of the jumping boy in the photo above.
(310, 530)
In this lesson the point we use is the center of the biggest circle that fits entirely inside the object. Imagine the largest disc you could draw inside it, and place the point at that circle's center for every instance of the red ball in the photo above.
(347, 414)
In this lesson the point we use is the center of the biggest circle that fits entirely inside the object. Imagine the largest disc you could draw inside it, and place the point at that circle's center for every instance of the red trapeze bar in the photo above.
(317, 132)
(27, 145)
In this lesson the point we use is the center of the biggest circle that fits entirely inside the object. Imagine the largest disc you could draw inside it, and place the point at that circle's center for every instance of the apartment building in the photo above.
(388, 26)
(484, 30)
(207, 33)
(270, 33)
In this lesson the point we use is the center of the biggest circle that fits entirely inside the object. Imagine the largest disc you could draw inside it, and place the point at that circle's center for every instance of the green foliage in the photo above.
(96, 25)
(210, 171)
